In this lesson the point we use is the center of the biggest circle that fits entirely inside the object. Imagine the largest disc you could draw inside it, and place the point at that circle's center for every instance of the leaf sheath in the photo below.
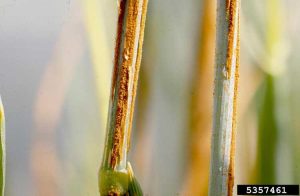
(225, 93)
(128, 52)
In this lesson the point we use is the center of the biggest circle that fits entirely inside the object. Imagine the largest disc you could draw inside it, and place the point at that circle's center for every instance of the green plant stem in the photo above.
(128, 51)
(225, 92)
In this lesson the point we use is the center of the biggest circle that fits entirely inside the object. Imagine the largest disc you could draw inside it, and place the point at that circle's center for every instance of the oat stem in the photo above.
(113, 175)
(225, 92)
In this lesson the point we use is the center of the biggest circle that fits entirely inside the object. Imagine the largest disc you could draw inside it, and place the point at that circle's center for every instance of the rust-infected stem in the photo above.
(225, 93)
(128, 52)
(115, 178)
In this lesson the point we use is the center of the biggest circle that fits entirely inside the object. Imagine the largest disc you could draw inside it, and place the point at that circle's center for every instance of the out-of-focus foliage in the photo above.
(31, 42)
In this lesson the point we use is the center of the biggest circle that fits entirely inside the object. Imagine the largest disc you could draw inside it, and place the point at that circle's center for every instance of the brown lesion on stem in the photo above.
(233, 141)
(121, 11)
(126, 67)
(231, 10)
(228, 3)
(232, 152)
(137, 67)
(117, 134)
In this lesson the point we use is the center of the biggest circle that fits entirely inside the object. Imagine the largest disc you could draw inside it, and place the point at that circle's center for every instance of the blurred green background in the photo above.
(56, 63)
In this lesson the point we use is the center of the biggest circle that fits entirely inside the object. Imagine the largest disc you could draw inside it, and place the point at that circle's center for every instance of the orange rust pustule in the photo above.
(120, 23)
(137, 68)
(231, 9)
(228, 6)
(120, 116)
(117, 135)
(123, 75)
(233, 141)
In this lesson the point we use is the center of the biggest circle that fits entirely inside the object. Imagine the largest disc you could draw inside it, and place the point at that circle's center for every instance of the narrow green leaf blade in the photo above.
(134, 188)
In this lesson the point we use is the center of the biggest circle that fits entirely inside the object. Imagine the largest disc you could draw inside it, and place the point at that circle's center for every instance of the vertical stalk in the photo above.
(2, 150)
(196, 181)
(268, 134)
(113, 175)
(268, 129)
(225, 93)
